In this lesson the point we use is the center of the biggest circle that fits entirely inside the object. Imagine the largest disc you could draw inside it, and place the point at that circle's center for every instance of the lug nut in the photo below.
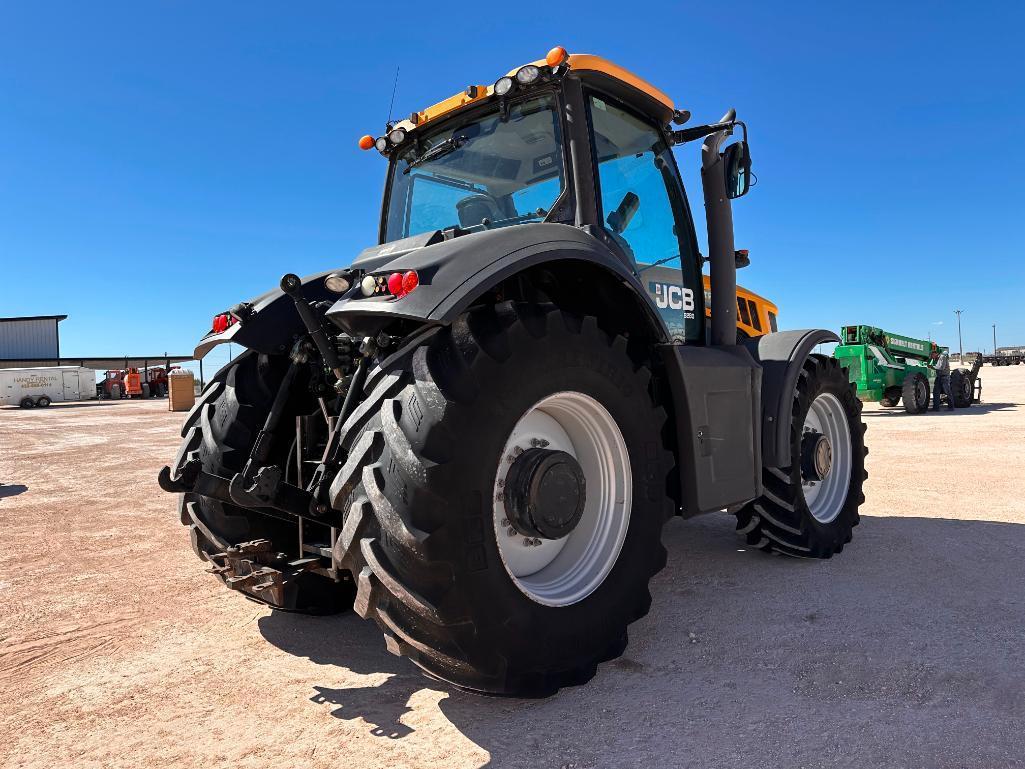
(505, 522)
(500, 497)
(518, 450)
(528, 542)
(501, 482)
(511, 532)
(537, 542)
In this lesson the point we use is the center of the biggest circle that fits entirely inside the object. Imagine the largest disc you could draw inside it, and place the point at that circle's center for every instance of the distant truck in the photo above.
(30, 387)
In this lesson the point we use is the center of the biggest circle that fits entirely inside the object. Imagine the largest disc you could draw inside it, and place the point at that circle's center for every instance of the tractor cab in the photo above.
(573, 140)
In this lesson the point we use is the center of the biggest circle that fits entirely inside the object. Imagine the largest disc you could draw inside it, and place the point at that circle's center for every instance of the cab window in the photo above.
(641, 202)
(756, 320)
(745, 318)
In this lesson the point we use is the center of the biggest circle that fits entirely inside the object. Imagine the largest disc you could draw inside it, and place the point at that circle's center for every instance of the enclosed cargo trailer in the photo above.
(29, 387)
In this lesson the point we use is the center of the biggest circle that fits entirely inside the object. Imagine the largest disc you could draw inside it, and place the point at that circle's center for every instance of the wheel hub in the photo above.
(816, 456)
(545, 493)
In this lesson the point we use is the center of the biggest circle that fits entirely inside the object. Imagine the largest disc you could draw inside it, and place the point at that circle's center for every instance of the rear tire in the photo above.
(961, 388)
(813, 521)
(915, 393)
(43, 402)
(424, 528)
(222, 427)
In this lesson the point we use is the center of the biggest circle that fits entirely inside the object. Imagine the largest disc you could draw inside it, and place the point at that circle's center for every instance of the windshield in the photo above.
(485, 173)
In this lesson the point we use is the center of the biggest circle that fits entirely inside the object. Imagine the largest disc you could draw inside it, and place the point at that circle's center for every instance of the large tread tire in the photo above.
(222, 426)
(779, 521)
(891, 398)
(961, 388)
(419, 534)
(915, 393)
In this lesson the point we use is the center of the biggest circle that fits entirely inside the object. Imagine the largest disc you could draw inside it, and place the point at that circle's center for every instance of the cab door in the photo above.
(644, 210)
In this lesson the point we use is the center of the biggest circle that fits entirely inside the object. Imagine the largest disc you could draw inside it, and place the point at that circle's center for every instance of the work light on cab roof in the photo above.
(527, 75)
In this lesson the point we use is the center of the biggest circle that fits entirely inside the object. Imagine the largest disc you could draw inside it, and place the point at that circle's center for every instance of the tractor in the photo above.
(473, 434)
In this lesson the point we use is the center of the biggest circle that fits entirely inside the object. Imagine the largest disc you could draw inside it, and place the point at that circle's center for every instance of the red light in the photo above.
(220, 323)
(410, 281)
(395, 283)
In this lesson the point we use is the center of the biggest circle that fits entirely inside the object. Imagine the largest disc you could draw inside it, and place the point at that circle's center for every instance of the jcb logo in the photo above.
(671, 296)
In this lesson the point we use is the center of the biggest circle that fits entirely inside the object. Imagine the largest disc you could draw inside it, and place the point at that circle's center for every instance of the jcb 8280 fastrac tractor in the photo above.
(474, 433)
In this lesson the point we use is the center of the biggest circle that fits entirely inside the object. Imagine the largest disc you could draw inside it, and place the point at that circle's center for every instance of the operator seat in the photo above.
(474, 209)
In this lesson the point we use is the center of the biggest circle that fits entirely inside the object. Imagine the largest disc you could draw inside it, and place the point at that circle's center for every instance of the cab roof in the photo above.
(577, 62)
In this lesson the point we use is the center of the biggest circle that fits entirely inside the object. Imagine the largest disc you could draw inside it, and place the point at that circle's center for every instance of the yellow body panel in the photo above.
(582, 62)
(585, 62)
(756, 308)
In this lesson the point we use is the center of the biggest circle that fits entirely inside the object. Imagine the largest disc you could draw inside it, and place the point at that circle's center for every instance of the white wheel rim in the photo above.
(826, 498)
(564, 571)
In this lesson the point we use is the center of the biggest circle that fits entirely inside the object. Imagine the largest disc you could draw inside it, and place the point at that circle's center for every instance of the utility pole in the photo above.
(959, 343)
(994, 338)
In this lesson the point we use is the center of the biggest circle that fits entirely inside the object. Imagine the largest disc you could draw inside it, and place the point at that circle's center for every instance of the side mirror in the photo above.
(737, 167)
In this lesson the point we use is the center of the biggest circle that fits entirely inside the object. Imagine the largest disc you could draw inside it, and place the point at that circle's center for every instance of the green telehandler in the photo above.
(889, 368)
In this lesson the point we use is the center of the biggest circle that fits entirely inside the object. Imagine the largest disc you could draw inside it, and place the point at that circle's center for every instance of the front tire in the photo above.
(427, 536)
(810, 508)
(915, 393)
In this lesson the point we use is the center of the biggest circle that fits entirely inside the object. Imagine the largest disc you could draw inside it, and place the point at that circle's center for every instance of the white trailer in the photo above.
(27, 387)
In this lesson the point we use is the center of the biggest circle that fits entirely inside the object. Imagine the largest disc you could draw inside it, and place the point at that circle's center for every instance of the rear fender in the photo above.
(269, 323)
(455, 273)
(781, 356)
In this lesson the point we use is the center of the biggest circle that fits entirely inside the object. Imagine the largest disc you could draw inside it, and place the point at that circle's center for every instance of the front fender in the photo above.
(271, 322)
(781, 355)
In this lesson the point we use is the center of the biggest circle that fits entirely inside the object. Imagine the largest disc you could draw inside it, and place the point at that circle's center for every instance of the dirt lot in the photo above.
(116, 649)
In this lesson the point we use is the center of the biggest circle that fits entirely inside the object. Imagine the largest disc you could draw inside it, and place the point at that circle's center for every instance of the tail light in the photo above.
(222, 322)
(400, 284)
(410, 281)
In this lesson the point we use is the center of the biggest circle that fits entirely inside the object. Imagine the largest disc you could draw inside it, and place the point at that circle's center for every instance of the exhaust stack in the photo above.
(719, 224)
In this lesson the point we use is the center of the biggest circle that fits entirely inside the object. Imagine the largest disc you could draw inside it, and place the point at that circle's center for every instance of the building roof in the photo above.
(57, 318)
(99, 363)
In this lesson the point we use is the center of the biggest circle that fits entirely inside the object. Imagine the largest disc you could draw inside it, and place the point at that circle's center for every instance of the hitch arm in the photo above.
(292, 285)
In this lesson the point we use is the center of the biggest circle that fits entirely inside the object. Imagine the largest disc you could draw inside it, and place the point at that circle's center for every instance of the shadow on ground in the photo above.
(904, 651)
(978, 408)
(59, 406)
(12, 489)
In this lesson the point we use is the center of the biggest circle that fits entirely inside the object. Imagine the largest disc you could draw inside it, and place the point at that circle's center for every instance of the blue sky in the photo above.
(160, 161)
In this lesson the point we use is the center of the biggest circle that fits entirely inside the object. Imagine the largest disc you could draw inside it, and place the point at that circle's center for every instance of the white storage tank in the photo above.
(28, 387)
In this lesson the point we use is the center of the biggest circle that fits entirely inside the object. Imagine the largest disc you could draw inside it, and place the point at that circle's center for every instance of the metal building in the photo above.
(34, 337)
(34, 342)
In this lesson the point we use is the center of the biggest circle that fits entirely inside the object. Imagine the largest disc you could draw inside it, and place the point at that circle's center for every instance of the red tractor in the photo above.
(156, 376)
(112, 386)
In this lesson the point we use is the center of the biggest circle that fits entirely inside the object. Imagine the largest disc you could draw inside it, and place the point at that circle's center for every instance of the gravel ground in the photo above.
(116, 649)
